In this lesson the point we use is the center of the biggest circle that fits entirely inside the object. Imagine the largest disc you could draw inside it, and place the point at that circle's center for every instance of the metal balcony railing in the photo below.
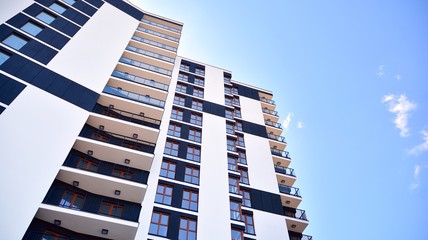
(150, 54)
(273, 124)
(117, 139)
(140, 80)
(280, 153)
(289, 190)
(158, 34)
(267, 100)
(284, 170)
(303, 237)
(276, 137)
(154, 43)
(134, 96)
(160, 25)
(145, 66)
(271, 112)
(295, 213)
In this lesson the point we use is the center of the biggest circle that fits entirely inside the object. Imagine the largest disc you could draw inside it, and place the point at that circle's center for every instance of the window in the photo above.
(246, 198)
(235, 210)
(179, 100)
(232, 163)
(15, 41)
(101, 136)
(200, 71)
(159, 224)
(57, 8)
(229, 114)
(87, 164)
(227, 90)
(72, 200)
(242, 157)
(122, 174)
(249, 223)
(236, 101)
(238, 126)
(111, 209)
(45, 17)
(199, 81)
(193, 153)
(181, 88)
(191, 175)
(244, 176)
(195, 135)
(237, 113)
(31, 28)
(196, 104)
(71, 2)
(228, 101)
(3, 57)
(171, 148)
(230, 128)
(198, 92)
(187, 229)
(240, 142)
(164, 194)
(233, 185)
(177, 114)
(168, 169)
(184, 67)
(237, 234)
(196, 119)
(190, 200)
(235, 91)
(231, 144)
(51, 235)
(174, 130)
(183, 77)
(227, 79)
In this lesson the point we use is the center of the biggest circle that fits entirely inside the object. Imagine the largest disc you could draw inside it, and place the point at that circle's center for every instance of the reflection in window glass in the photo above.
(15, 41)
(31, 28)
(3, 57)
(57, 8)
(45, 17)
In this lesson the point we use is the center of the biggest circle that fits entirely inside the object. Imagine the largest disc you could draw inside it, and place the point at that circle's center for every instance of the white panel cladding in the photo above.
(269, 226)
(214, 85)
(37, 132)
(91, 55)
(261, 171)
(213, 220)
(251, 110)
(9, 8)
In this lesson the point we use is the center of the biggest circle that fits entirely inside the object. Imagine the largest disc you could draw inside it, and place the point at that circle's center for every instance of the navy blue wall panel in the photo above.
(247, 92)
(2, 109)
(193, 66)
(174, 221)
(9, 89)
(214, 108)
(126, 8)
(69, 13)
(85, 8)
(255, 129)
(266, 201)
(96, 3)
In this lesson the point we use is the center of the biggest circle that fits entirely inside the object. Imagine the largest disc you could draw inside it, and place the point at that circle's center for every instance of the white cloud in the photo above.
(380, 70)
(416, 182)
(300, 124)
(397, 76)
(287, 121)
(413, 186)
(421, 147)
(401, 106)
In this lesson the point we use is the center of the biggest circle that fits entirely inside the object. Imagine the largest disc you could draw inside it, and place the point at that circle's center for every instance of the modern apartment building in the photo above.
(105, 133)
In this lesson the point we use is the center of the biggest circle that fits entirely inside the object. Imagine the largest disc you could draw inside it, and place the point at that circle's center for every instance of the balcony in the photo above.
(284, 170)
(298, 236)
(271, 112)
(126, 116)
(150, 54)
(154, 43)
(161, 25)
(280, 153)
(278, 138)
(296, 219)
(273, 124)
(278, 142)
(140, 80)
(158, 34)
(289, 190)
(117, 139)
(265, 100)
(290, 196)
(145, 66)
(134, 96)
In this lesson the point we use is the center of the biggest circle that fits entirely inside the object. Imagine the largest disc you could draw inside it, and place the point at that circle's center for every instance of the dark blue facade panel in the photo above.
(214, 108)
(254, 129)
(2, 109)
(85, 8)
(193, 66)
(266, 201)
(126, 8)
(247, 92)
(96, 3)
(69, 13)
(174, 221)
(9, 89)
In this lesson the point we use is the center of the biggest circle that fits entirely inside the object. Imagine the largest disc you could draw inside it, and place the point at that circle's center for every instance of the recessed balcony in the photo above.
(160, 25)
(290, 196)
(154, 43)
(158, 34)
(296, 219)
(285, 175)
(150, 54)
(145, 66)
(146, 99)
(140, 80)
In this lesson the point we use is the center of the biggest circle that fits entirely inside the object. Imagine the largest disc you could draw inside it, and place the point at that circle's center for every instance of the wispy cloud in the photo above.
(416, 182)
(397, 76)
(418, 149)
(380, 70)
(401, 106)
(300, 124)
(287, 121)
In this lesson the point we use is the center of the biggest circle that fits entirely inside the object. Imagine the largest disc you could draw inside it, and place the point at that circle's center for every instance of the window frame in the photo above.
(199, 81)
(244, 176)
(159, 224)
(168, 170)
(75, 196)
(232, 163)
(246, 197)
(242, 157)
(190, 202)
(231, 144)
(88, 163)
(174, 129)
(197, 104)
(241, 234)
(122, 174)
(183, 77)
(179, 100)
(164, 192)
(235, 213)
(245, 217)
(184, 67)
(193, 153)
(11, 41)
(181, 88)
(195, 135)
(200, 71)
(233, 188)
(112, 207)
(173, 149)
(177, 114)
(187, 229)
(196, 118)
(192, 176)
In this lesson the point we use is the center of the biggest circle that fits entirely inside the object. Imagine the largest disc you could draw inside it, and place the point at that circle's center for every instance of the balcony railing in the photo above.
(289, 190)
(145, 66)
(284, 170)
(140, 80)
(158, 34)
(295, 213)
(271, 112)
(160, 25)
(82, 201)
(280, 153)
(267, 100)
(303, 237)
(150, 54)
(82, 161)
(227, 80)
(154, 43)
(134, 96)
(127, 116)
(117, 139)
(276, 137)
(273, 124)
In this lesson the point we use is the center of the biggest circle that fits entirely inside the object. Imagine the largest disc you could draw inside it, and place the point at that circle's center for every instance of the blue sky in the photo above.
(353, 77)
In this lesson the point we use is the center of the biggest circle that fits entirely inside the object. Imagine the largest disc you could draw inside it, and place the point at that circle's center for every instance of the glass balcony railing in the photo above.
(127, 116)
(295, 213)
(289, 190)
(276, 137)
(117, 139)
(158, 34)
(280, 153)
(140, 80)
(150, 54)
(134, 96)
(160, 25)
(273, 124)
(154, 43)
(271, 112)
(284, 170)
(298, 236)
(267, 100)
(145, 66)
(82, 161)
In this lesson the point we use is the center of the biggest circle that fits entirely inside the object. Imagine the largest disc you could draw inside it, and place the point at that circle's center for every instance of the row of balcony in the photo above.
(271, 112)
(276, 137)
(273, 124)
(154, 43)
(140, 80)
(267, 100)
(158, 34)
(150, 54)
(145, 66)
(160, 25)
(119, 92)
(280, 153)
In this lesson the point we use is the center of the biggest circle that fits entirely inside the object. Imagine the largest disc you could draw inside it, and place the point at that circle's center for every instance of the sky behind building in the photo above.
(350, 82)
